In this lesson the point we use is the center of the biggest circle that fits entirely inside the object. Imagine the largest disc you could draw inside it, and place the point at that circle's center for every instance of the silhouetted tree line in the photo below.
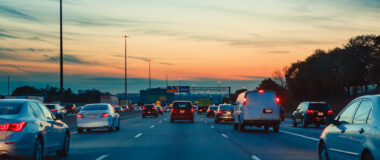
(52, 94)
(337, 72)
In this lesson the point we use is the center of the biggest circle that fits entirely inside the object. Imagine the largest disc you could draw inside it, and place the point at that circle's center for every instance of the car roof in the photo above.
(373, 97)
(180, 101)
(17, 100)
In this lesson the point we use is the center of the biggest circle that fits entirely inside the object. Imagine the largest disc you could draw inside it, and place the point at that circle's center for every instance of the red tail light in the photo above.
(330, 112)
(310, 111)
(15, 127)
(154, 108)
(220, 111)
(192, 109)
(245, 101)
(105, 115)
(144, 108)
(261, 91)
(278, 100)
(80, 116)
(53, 110)
(172, 110)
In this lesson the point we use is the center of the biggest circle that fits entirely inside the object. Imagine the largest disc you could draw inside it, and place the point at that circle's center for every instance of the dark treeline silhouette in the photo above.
(341, 72)
(51, 94)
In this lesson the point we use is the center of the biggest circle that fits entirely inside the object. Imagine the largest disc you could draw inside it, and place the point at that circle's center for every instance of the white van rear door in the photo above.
(270, 111)
(253, 107)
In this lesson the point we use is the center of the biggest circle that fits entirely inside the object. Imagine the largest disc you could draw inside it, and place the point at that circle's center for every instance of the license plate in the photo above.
(92, 116)
(268, 110)
(228, 112)
(182, 111)
(149, 112)
(320, 113)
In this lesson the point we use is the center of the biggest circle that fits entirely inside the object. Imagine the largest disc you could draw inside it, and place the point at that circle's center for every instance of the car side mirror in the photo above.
(59, 116)
(331, 120)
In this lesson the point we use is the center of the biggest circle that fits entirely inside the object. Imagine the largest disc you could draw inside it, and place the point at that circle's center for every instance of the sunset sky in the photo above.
(200, 42)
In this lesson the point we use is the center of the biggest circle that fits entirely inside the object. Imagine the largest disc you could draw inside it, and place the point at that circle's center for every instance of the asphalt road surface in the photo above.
(157, 138)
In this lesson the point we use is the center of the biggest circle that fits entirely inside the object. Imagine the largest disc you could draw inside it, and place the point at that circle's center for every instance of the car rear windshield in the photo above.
(10, 108)
(319, 106)
(50, 106)
(148, 106)
(95, 107)
(226, 107)
(213, 108)
(182, 105)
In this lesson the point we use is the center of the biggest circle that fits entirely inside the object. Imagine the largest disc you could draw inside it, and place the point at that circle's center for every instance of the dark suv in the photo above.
(182, 110)
(149, 110)
(311, 113)
(211, 111)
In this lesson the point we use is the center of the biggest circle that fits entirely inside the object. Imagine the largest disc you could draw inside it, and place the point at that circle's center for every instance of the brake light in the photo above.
(278, 100)
(261, 91)
(310, 111)
(220, 111)
(53, 110)
(245, 101)
(80, 116)
(192, 109)
(15, 127)
(330, 112)
(172, 110)
(105, 115)
(154, 108)
(144, 108)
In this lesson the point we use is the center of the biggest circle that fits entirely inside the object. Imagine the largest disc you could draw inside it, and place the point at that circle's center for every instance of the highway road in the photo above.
(157, 138)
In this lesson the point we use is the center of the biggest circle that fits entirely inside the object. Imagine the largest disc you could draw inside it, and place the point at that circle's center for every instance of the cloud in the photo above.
(5, 35)
(254, 77)
(279, 52)
(139, 58)
(25, 49)
(66, 58)
(10, 12)
(165, 63)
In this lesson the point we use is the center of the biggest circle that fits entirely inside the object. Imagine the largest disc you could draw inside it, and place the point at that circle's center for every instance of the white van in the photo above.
(257, 108)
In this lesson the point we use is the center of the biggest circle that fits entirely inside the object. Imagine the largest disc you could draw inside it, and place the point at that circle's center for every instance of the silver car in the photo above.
(94, 116)
(354, 133)
(29, 130)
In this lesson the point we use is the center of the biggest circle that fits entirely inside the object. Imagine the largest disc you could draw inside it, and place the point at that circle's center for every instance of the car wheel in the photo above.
(294, 123)
(171, 120)
(304, 123)
(276, 128)
(368, 156)
(80, 130)
(118, 125)
(241, 127)
(38, 150)
(323, 153)
(66, 147)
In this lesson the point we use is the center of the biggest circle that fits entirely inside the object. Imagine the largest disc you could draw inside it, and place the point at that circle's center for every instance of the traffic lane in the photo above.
(310, 131)
(101, 142)
(179, 140)
(267, 144)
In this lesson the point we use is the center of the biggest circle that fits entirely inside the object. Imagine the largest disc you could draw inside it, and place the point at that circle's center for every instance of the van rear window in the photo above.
(10, 108)
(182, 105)
(319, 106)
(226, 107)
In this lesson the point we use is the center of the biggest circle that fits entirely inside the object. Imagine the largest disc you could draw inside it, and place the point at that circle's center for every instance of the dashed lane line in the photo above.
(73, 132)
(225, 136)
(212, 127)
(255, 157)
(152, 126)
(102, 157)
(138, 135)
(299, 135)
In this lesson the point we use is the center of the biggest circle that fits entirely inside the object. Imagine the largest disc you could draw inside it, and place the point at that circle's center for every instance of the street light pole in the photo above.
(125, 71)
(149, 82)
(61, 51)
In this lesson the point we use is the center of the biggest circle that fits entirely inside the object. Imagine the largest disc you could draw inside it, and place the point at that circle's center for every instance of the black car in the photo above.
(182, 110)
(211, 111)
(311, 113)
(149, 110)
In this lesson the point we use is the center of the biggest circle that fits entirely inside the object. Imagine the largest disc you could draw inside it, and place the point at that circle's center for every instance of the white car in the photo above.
(354, 133)
(257, 108)
(93, 116)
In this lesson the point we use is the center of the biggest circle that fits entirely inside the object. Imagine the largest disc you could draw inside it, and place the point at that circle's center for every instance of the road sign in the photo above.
(184, 89)
(172, 89)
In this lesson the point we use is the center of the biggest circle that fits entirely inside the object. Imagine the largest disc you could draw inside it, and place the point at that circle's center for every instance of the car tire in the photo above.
(276, 128)
(80, 130)
(38, 150)
(171, 120)
(241, 127)
(236, 126)
(294, 122)
(368, 156)
(266, 128)
(323, 153)
(304, 123)
(66, 147)
(118, 125)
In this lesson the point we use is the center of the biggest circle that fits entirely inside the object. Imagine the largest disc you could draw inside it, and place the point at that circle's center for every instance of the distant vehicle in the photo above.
(182, 110)
(211, 111)
(71, 108)
(79, 108)
(108, 99)
(56, 109)
(311, 113)
(99, 115)
(137, 108)
(257, 108)
(160, 111)
(119, 109)
(354, 133)
(149, 110)
(29, 130)
(203, 105)
(224, 113)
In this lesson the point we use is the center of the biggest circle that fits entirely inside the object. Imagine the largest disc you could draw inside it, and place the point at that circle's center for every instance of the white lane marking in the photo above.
(255, 157)
(160, 122)
(295, 134)
(212, 127)
(205, 121)
(152, 126)
(73, 132)
(164, 119)
(102, 157)
(138, 135)
(346, 152)
(225, 136)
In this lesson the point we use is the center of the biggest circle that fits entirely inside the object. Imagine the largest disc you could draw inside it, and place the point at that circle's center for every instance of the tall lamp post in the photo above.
(150, 84)
(61, 53)
(125, 70)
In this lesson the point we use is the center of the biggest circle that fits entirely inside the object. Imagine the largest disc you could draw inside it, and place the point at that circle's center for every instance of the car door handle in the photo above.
(361, 131)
